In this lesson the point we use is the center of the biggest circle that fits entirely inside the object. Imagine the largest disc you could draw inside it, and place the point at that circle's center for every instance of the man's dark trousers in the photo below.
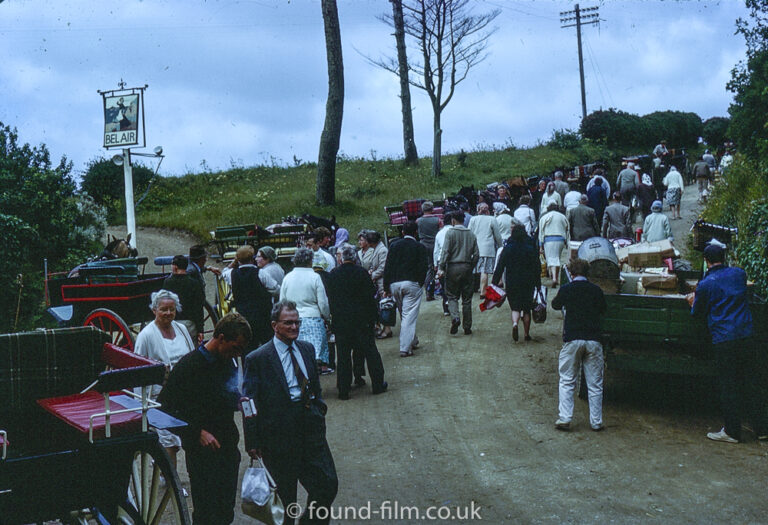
(363, 343)
(459, 282)
(213, 477)
(306, 458)
(737, 362)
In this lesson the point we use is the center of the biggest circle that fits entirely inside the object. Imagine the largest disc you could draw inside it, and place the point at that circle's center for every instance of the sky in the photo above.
(243, 83)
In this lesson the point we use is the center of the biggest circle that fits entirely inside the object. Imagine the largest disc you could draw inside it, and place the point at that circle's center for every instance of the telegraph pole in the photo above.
(591, 17)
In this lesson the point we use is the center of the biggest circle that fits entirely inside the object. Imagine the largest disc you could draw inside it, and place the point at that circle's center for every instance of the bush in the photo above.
(42, 218)
(564, 139)
(616, 129)
(621, 130)
(715, 131)
(104, 182)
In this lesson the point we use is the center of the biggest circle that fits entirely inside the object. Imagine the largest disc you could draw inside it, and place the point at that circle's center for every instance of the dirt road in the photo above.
(470, 420)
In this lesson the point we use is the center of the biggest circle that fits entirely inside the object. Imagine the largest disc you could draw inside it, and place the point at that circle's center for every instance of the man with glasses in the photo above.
(288, 430)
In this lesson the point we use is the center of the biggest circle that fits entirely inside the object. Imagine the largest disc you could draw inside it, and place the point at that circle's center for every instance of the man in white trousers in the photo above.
(584, 303)
(404, 275)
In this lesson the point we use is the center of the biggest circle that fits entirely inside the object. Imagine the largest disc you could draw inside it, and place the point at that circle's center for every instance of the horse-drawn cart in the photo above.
(112, 295)
(88, 456)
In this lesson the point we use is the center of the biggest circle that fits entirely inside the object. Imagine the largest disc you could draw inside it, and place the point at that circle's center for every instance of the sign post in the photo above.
(124, 127)
(130, 217)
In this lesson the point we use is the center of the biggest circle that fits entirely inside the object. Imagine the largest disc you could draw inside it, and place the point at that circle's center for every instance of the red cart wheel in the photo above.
(108, 321)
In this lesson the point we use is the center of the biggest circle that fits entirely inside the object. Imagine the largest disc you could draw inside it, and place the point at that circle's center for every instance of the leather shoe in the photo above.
(455, 326)
(467, 331)
(359, 381)
(344, 396)
(381, 389)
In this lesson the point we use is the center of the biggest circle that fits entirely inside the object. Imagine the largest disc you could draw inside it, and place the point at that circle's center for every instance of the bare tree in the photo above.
(451, 41)
(409, 145)
(334, 107)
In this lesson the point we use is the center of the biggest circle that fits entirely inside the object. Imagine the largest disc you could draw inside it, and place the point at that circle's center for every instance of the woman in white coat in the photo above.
(166, 341)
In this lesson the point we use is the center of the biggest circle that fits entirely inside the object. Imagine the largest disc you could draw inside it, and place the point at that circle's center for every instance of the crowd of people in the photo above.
(324, 317)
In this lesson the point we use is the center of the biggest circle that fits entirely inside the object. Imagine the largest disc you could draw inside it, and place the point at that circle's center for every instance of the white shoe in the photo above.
(721, 436)
(562, 425)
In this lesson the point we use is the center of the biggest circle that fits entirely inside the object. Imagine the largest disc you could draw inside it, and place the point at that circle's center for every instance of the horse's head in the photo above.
(119, 248)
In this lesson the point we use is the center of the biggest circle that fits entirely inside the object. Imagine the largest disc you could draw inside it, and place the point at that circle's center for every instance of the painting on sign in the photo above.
(121, 120)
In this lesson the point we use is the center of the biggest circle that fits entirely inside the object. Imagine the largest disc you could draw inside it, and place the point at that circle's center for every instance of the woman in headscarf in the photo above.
(646, 194)
(342, 236)
(549, 197)
(656, 226)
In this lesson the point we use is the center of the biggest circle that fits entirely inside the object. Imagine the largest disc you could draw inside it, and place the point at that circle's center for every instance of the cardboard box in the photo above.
(662, 281)
(644, 254)
(667, 248)
(622, 254)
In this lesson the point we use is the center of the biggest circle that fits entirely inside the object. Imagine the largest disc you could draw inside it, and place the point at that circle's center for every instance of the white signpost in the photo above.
(124, 127)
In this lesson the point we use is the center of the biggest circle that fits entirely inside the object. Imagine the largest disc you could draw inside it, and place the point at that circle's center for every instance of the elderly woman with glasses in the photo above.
(167, 341)
(305, 288)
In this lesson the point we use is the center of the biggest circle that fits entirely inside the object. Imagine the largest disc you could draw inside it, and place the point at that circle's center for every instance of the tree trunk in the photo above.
(409, 145)
(334, 107)
(437, 144)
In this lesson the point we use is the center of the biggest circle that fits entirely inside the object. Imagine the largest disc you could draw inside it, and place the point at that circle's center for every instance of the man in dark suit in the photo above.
(404, 275)
(351, 295)
(582, 220)
(288, 430)
(191, 296)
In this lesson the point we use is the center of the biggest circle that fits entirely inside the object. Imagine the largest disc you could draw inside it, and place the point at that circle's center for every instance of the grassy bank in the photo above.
(263, 195)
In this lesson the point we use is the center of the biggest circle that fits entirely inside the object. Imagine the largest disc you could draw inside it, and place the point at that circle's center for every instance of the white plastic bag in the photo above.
(259, 496)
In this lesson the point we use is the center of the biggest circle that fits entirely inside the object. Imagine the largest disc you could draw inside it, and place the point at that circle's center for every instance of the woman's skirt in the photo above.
(673, 196)
(313, 331)
(553, 247)
(485, 265)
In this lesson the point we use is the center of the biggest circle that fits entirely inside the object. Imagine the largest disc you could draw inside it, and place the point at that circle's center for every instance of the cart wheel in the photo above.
(108, 321)
(210, 318)
(154, 492)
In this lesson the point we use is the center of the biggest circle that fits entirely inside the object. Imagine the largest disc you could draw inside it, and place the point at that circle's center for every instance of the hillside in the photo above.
(263, 195)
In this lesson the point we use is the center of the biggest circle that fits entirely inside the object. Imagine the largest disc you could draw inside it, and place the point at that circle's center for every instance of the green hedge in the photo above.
(619, 129)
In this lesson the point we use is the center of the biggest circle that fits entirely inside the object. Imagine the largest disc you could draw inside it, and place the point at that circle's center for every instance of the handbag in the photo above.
(259, 496)
(387, 311)
(539, 313)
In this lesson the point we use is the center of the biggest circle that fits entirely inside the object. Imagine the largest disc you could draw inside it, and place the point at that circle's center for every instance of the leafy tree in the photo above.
(616, 128)
(42, 218)
(105, 182)
(334, 107)
(715, 131)
(749, 83)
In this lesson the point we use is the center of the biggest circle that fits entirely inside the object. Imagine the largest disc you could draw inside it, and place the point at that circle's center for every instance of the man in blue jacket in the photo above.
(721, 297)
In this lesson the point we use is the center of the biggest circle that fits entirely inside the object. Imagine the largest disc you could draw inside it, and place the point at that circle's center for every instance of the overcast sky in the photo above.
(245, 82)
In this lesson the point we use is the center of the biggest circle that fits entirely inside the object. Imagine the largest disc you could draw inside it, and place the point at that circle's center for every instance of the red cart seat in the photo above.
(127, 370)
(76, 410)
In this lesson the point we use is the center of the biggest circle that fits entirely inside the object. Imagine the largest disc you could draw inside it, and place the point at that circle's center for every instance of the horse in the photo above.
(117, 249)
(316, 222)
